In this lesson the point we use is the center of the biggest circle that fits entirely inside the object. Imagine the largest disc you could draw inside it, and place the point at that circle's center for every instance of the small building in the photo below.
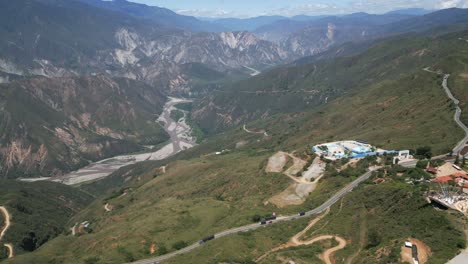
(443, 179)
(431, 170)
(408, 244)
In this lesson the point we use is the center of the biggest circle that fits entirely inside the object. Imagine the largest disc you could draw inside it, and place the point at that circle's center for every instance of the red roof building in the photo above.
(431, 170)
(460, 175)
(443, 179)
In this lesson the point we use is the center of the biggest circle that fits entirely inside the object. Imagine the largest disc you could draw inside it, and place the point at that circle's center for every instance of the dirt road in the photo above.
(296, 241)
(303, 183)
(11, 253)
(7, 218)
(327, 255)
(7, 224)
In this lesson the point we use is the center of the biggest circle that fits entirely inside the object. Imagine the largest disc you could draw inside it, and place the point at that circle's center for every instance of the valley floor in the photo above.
(180, 137)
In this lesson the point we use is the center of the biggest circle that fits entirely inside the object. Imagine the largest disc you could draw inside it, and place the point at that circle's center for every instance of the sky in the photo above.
(251, 8)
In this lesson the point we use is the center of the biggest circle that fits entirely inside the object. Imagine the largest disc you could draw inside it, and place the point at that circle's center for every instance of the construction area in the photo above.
(352, 149)
(452, 187)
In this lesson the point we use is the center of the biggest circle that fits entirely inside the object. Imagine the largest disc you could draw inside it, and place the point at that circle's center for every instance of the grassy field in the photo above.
(374, 219)
(193, 199)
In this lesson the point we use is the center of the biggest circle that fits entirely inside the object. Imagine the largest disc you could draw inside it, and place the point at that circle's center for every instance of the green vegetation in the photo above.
(197, 132)
(376, 219)
(380, 95)
(176, 115)
(39, 211)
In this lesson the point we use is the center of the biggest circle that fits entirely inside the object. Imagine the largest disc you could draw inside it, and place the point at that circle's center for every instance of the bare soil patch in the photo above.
(277, 162)
(424, 252)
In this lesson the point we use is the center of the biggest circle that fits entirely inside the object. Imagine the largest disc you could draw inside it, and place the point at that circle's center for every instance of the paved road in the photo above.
(458, 111)
(459, 147)
(461, 144)
(254, 226)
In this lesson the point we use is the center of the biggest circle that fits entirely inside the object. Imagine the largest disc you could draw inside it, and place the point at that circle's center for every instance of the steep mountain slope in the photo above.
(301, 87)
(312, 37)
(53, 38)
(442, 18)
(161, 16)
(158, 207)
(39, 212)
(305, 38)
(51, 126)
(247, 24)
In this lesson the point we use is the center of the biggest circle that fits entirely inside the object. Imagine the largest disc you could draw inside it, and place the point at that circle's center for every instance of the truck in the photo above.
(206, 239)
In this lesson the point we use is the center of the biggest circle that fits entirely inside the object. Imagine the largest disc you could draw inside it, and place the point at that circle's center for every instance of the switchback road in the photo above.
(254, 226)
(459, 147)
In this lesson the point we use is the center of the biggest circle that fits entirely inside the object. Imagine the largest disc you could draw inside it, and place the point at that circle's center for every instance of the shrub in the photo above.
(91, 260)
(179, 245)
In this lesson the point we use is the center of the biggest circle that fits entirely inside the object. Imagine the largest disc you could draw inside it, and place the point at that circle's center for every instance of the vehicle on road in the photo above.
(206, 239)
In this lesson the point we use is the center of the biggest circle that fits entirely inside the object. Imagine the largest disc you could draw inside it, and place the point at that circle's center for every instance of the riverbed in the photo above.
(180, 139)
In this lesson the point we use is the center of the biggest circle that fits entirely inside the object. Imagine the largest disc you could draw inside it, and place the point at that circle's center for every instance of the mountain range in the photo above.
(86, 80)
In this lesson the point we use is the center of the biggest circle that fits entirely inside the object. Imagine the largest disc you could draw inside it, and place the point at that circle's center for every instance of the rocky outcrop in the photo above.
(55, 125)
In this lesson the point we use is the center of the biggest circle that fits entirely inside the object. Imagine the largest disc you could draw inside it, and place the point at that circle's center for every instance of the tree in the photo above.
(179, 245)
(373, 239)
(424, 152)
(422, 164)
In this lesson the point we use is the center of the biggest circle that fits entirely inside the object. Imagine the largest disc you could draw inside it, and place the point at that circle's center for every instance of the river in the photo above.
(180, 139)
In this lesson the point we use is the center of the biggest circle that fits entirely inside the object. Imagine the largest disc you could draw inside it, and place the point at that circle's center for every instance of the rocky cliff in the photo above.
(54, 125)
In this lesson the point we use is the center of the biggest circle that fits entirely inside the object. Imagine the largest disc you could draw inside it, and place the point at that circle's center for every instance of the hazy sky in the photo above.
(243, 8)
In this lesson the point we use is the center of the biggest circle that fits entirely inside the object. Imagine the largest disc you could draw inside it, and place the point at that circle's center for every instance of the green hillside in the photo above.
(374, 219)
(300, 88)
(382, 96)
(39, 212)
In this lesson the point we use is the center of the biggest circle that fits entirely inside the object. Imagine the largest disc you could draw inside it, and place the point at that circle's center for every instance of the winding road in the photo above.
(180, 139)
(254, 226)
(7, 224)
(459, 147)
(462, 143)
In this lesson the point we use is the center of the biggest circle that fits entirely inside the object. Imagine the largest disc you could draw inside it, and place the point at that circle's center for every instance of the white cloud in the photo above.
(330, 7)
(453, 3)
(218, 13)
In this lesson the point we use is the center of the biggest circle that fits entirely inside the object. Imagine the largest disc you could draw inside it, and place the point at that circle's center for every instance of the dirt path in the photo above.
(303, 183)
(296, 241)
(327, 255)
(423, 251)
(362, 239)
(11, 253)
(73, 229)
(262, 131)
(108, 207)
(7, 218)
